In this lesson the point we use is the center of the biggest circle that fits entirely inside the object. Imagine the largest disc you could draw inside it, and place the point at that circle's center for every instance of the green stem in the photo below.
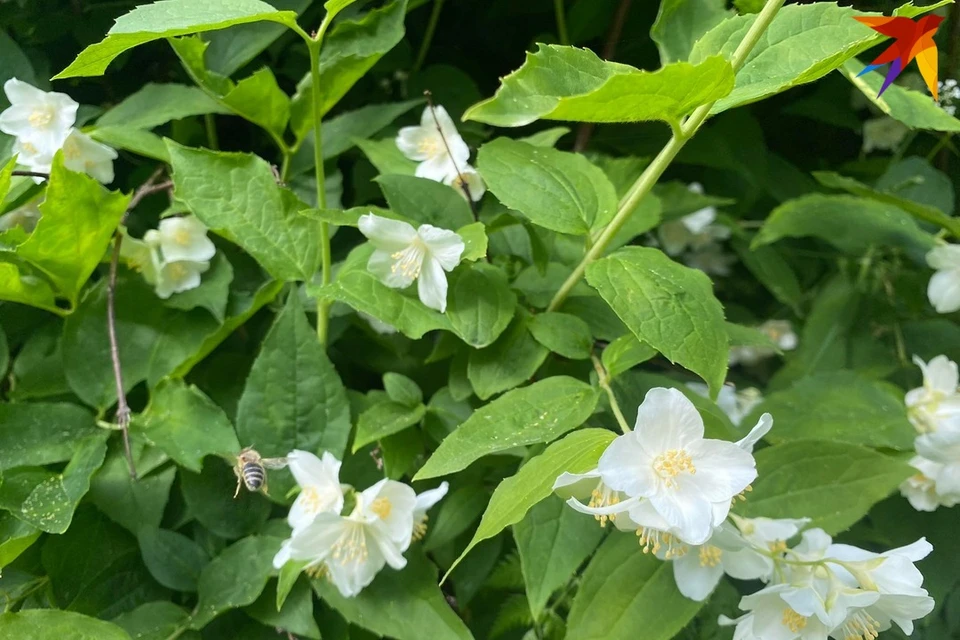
(323, 305)
(604, 381)
(561, 22)
(650, 176)
(428, 35)
(211, 127)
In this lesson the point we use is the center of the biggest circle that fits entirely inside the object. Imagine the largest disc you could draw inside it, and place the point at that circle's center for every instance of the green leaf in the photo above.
(293, 397)
(741, 336)
(406, 604)
(237, 196)
(770, 268)
(562, 333)
(474, 238)
(850, 223)
(480, 304)
(402, 389)
(232, 48)
(385, 419)
(511, 500)
(915, 109)
(39, 433)
(153, 621)
(841, 407)
(349, 51)
(174, 560)
(624, 353)
(157, 104)
(16, 536)
(209, 497)
(6, 172)
(553, 541)
(541, 412)
(547, 137)
(924, 212)
(133, 504)
(510, 361)
(50, 624)
(213, 292)
(234, 578)
(628, 594)
(167, 19)
(134, 140)
(567, 83)
(802, 44)
(680, 23)
(457, 513)
(16, 64)
(557, 190)
(667, 306)
(915, 179)
(186, 424)
(386, 157)
(51, 504)
(153, 339)
(4, 353)
(425, 201)
(833, 483)
(295, 616)
(78, 219)
(18, 285)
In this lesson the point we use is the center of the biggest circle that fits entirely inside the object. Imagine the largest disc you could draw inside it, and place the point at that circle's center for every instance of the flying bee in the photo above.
(250, 470)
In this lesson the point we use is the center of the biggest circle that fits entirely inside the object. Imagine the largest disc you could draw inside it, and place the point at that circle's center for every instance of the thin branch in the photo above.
(32, 174)
(609, 49)
(123, 409)
(428, 35)
(603, 379)
(443, 138)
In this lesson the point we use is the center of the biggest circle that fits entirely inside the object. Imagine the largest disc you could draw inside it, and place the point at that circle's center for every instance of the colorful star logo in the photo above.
(911, 40)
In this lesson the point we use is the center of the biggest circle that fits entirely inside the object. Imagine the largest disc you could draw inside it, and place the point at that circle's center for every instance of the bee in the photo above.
(250, 470)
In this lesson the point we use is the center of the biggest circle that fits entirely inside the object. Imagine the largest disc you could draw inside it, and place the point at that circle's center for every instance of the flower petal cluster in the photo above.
(441, 153)
(351, 548)
(735, 404)
(780, 332)
(42, 123)
(943, 290)
(934, 410)
(696, 237)
(172, 257)
(949, 96)
(403, 255)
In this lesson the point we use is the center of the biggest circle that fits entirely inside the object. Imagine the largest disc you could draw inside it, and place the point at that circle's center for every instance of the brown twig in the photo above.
(123, 409)
(443, 138)
(609, 49)
(32, 174)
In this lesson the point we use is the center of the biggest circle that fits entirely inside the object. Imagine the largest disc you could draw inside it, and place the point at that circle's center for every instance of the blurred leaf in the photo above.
(680, 23)
(562, 333)
(402, 389)
(668, 306)
(16, 536)
(624, 353)
(480, 304)
(174, 560)
(157, 104)
(42, 433)
(385, 419)
(510, 361)
(234, 578)
(167, 19)
(386, 157)
(295, 615)
(153, 621)
(425, 201)
(50, 624)
(209, 498)
(133, 504)
(232, 48)
(546, 87)
(917, 180)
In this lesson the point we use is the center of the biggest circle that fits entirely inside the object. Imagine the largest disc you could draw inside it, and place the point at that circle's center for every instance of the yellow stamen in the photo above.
(420, 529)
(777, 546)
(410, 260)
(862, 626)
(177, 270)
(653, 540)
(317, 571)
(429, 146)
(710, 555)
(41, 117)
(602, 496)
(311, 499)
(351, 546)
(793, 620)
(181, 237)
(669, 464)
(381, 507)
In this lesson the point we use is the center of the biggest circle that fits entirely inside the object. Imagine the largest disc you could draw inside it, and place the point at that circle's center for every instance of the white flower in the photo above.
(883, 134)
(425, 501)
(689, 481)
(467, 181)
(169, 278)
(943, 447)
(39, 120)
(351, 550)
(711, 259)
(920, 489)
(780, 332)
(891, 575)
(937, 402)
(84, 154)
(435, 144)
(791, 611)
(404, 254)
(943, 291)
(181, 239)
(766, 538)
(949, 96)
(735, 404)
(320, 490)
(695, 230)
(26, 217)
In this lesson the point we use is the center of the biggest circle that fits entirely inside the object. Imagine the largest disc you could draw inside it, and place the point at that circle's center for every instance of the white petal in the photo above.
(694, 579)
(185, 238)
(613, 509)
(390, 550)
(439, 168)
(723, 469)
(667, 420)
(414, 142)
(944, 291)
(428, 498)
(444, 246)
(382, 265)
(386, 234)
(576, 485)
(626, 466)
(432, 285)
(689, 515)
(761, 429)
(697, 221)
(747, 564)
(944, 257)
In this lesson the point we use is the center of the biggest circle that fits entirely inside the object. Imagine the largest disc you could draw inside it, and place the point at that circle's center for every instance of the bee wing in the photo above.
(274, 463)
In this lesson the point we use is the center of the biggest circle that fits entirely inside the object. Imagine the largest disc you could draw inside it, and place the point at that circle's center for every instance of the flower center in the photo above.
(177, 271)
(351, 546)
(41, 117)
(70, 150)
(652, 540)
(312, 500)
(602, 496)
(777, 546)
(28, 147)
(381, 507)
(860, 626)
(429, 146)
(710, 555)
(181, 237)
(420, 528)
(409, 260)
(793, 620)
(672, 463)
(924, 413)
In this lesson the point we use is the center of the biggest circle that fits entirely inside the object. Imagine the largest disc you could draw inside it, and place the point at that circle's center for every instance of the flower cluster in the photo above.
(943, 291)
(43, 123)
(173, 256)
(950, 96)
(780, 333)
(441, 152)
(674, 489)
(403, 254)
(934, 410)
(350, 546)
(697, 238)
